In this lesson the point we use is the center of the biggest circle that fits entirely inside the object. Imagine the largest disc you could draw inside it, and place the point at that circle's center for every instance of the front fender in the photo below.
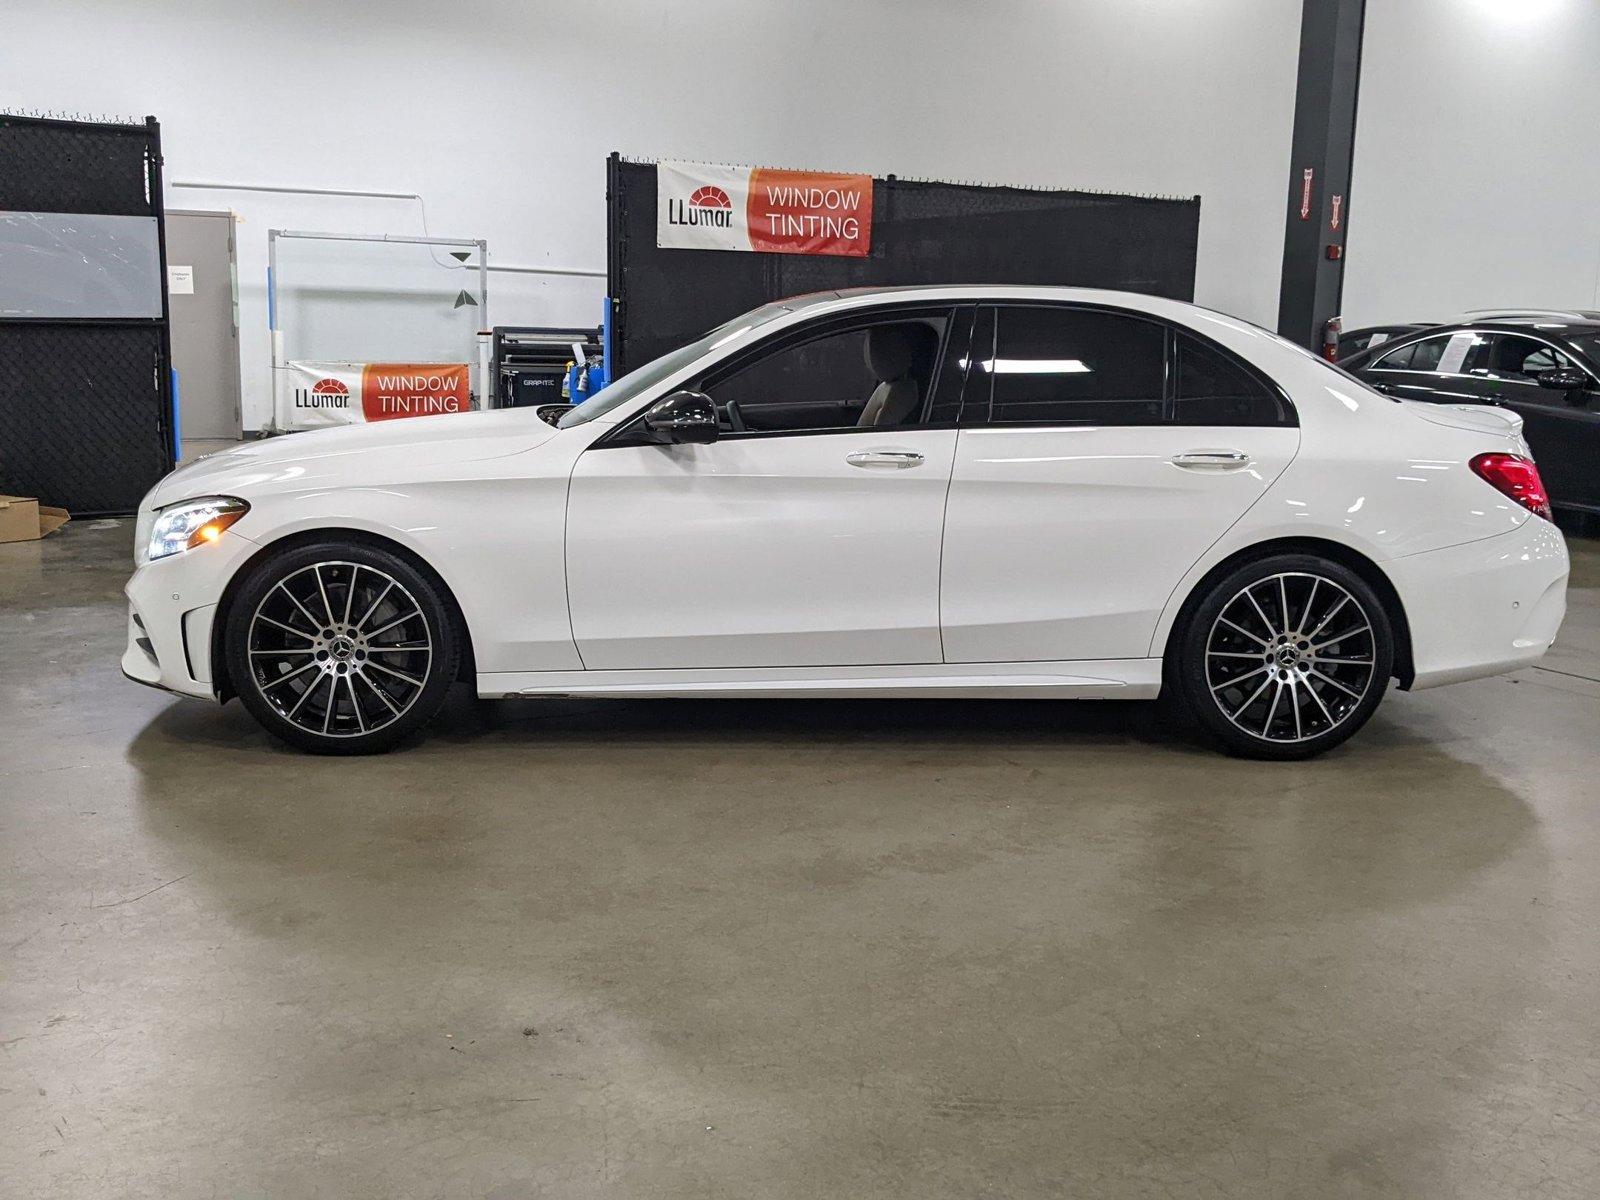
(497, 544)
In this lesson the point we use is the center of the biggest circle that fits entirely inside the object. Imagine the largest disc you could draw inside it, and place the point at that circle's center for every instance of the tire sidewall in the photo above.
(266, 574)
(1189, 674)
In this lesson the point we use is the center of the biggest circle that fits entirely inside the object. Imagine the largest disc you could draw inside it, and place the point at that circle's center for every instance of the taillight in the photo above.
(1514, 476)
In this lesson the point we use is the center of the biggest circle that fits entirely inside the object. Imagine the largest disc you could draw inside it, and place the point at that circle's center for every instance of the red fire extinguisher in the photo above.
(1330, 338)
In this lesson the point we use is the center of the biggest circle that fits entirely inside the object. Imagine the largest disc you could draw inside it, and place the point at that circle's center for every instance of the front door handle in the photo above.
(1212, 460)
(894, 460)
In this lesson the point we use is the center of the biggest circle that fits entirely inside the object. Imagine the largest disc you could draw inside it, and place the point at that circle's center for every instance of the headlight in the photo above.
(192, 523)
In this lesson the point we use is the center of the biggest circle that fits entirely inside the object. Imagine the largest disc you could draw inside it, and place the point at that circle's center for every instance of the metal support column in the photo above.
(1319, 176)
(158, 209)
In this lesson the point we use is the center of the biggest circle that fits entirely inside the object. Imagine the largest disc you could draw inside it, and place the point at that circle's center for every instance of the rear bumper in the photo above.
(172, 603)
(1485, 607)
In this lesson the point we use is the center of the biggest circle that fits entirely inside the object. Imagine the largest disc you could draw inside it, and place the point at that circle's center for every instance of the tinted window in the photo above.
(1072, 366)
(1543, 359)
(1450, 353)
(1427, 355)
(827, 381)
(1395, 360)
(1587, 343)
(1522, 358)
(630, 385)
(1214, 389)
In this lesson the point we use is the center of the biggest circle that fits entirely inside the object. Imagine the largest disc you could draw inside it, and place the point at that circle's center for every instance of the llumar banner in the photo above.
(703, 207)
(314, 395)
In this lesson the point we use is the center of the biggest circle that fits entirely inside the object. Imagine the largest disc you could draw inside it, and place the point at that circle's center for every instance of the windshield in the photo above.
(634, 382)
(1588, 344)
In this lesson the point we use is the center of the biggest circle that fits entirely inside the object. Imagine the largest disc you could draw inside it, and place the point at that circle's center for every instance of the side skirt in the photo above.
(1099, 679)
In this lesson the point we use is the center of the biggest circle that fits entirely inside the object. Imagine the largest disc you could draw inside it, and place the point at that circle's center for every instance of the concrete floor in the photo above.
(797, 950)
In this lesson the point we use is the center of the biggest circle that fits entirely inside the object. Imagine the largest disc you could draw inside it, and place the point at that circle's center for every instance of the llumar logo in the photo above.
(324, 393)
(708, 206)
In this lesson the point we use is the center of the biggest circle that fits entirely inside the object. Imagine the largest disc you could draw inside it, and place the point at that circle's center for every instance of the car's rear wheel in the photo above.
(1284, 657)
(341, 647)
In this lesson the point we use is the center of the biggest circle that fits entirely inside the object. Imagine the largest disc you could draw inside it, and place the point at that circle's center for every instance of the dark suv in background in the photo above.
(1543, 366)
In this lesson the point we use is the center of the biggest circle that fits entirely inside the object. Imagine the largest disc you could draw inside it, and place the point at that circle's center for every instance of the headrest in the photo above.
(889, 351)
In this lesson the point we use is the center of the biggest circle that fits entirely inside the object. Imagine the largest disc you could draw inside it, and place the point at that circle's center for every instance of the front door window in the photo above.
(1516, 359)
(873, 372)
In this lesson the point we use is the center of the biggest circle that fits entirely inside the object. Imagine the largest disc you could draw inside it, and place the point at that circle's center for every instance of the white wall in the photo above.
(501, 114)
(1477, 170)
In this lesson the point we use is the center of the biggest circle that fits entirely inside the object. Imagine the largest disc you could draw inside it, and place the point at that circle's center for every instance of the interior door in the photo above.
(205, 334)
(1109, 452)
(776, 545)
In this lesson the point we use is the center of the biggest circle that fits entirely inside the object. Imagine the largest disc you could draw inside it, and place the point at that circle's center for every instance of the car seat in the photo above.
(891, 354)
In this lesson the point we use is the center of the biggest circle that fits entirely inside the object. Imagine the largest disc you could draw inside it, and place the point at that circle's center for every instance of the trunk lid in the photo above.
(1480, 418)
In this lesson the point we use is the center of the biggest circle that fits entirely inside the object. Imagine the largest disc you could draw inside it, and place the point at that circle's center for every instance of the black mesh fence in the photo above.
(922, 233)
(85, 404)
(77, 426)
(74, 167)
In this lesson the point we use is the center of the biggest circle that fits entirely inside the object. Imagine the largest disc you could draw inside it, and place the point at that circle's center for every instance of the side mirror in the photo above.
(1562, 379)
(683, 417)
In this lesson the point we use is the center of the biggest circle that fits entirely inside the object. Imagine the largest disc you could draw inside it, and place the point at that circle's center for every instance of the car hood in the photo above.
(355, 453)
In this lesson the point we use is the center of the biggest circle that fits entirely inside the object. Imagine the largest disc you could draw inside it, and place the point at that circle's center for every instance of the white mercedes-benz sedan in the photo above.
(929, 492)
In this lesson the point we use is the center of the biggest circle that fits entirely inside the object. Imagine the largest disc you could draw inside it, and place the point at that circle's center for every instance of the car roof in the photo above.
(1542, 324)
(982, 291)
(1545, 325)
(1403, 325)
(1559, 314)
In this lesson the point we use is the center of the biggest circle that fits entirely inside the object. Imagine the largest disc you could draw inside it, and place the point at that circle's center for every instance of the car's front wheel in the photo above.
(1284, 657)
(341, 647)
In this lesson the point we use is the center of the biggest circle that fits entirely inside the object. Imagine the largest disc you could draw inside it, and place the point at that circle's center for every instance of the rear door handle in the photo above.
(1212, 460)
(894, 460)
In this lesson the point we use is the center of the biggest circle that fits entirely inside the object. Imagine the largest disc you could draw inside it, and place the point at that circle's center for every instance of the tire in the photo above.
(375, 637)
(1269, 687)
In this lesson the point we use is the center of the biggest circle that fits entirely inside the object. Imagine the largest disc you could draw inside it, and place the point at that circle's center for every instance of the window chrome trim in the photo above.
(1430, 334)
(1427, 335)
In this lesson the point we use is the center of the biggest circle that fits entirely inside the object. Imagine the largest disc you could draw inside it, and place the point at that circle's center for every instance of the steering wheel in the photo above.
(735, 417)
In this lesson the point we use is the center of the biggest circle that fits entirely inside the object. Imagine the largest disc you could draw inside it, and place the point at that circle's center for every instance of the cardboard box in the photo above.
(24, 519)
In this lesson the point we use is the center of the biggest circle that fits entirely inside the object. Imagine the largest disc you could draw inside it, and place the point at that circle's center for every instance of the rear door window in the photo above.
(1071, 366)
(1061, 365)
(1447, 353)
(1396, 360)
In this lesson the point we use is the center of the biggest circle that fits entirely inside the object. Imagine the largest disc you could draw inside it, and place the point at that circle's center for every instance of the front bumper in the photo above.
(1485, 607)
(172, 603)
